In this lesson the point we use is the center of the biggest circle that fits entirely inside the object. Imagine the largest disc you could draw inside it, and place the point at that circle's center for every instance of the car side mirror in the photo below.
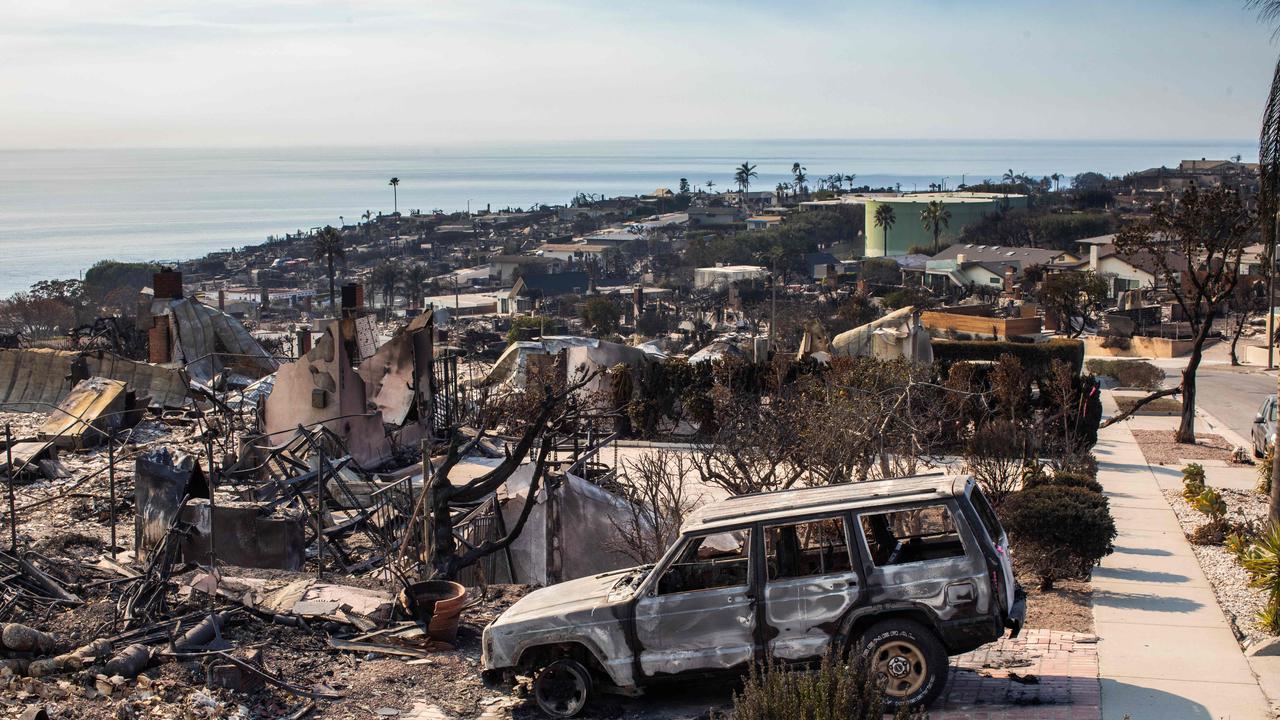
(1257, 419)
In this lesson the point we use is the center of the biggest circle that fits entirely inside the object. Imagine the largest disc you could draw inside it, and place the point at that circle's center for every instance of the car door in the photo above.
(700, 612)
(920, 553)
(811, 582)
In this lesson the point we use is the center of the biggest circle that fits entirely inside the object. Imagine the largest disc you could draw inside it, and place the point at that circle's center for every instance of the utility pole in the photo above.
(773, 302)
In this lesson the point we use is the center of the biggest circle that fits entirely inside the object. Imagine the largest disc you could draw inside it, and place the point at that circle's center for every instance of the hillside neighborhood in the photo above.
(513, 461)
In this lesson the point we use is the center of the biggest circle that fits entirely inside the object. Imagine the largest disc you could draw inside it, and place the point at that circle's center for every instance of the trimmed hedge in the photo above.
(1035, 357)
(1058, 531)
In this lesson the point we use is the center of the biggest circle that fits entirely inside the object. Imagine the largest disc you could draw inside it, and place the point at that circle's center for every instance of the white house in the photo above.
(721, 276)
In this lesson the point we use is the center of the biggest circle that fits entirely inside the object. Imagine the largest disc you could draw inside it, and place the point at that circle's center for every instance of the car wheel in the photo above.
(562, 688)
(908, 659)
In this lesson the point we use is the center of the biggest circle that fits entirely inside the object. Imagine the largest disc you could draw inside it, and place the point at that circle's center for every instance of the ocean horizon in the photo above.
(61, 210)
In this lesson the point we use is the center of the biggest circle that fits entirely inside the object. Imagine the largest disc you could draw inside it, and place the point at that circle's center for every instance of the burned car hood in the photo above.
(567, 597)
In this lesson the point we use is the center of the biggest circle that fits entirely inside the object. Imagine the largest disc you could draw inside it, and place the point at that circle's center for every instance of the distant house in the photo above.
(503, 269)
(714, 216)
(528, 289)
(763, 222)
(718, 277)
(613, 237)
(969, 265)
(1131, 271)
(573, 252)
(819, 265)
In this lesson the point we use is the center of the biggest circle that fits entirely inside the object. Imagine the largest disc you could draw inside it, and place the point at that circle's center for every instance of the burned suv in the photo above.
(905, 571)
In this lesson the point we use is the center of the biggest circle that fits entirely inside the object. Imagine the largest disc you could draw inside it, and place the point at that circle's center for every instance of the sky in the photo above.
(232, 73)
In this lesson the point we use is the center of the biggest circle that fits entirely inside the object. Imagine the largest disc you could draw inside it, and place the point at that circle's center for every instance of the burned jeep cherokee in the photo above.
(906, 571)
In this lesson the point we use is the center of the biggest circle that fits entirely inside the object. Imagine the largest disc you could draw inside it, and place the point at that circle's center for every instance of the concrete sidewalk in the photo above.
(1165, 650)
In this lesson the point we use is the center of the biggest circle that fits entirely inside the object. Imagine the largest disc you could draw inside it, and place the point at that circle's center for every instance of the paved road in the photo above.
(1233, 396)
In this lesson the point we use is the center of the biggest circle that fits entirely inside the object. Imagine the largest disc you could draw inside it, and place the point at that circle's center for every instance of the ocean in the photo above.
(63, 210)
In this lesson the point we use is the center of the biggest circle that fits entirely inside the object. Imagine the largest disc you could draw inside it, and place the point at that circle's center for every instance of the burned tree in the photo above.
(557, 412)
(1195, 245)
(653, 487)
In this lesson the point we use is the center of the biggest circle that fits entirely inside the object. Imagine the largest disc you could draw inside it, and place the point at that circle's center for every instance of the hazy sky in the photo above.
(301, 72)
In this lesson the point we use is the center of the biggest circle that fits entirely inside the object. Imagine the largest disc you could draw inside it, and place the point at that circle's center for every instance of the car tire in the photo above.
(908, 658)
(562, 688)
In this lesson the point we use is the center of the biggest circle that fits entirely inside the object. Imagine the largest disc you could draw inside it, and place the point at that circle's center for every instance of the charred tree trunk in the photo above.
(1187, 427)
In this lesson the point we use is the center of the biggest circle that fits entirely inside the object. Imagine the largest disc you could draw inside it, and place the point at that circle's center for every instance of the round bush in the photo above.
(1058, 531)
(1063, 479)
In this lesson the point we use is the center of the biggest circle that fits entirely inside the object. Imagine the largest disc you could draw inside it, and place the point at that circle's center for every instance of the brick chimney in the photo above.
(352, 296)
(167, 284)
(1008, 278)
(158, 340)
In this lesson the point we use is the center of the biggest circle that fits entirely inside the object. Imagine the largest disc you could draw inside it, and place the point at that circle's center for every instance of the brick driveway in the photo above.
(1063, 670)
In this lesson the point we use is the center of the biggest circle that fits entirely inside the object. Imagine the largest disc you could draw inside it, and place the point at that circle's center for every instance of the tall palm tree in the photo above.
(710, 184)
(797, 172)
(327, 245)
(743, 176)
(1056, 178)
(386, 278)
(1269, 194)
(849, 178)
(395, 196)
(934, 217)
(415, 277)
(885, 217)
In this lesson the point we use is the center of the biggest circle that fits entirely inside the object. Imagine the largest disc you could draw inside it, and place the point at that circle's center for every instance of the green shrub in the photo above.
(1128, 373)
(1036, 358)
(1264, 472)
(1058, 531)
(833, 691)
(1261, 559)
(1210, 502)
(1192, 481)
(1063, 479)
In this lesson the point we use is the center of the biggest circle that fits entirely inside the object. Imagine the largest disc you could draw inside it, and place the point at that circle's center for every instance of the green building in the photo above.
(908, 231)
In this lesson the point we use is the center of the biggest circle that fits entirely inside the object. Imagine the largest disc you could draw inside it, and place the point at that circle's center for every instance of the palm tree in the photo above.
(885, 218)
(1269, 194)
(327, 245)
(934, 217)
(710, 184)
(849, 178)
(395, 197)
(1009, 177)
(386, 278)
(415, 277)
(743, 176)
(1056, 177)
(797, 171)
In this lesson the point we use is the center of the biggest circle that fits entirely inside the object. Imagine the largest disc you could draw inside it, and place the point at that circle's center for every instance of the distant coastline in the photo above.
(63, 210)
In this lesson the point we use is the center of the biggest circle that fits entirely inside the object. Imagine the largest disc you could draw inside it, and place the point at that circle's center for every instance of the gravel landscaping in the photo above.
(1240, 602)
(1159, 447)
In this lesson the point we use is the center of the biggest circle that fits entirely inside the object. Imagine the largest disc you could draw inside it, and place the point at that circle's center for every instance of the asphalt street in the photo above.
(1232, 395)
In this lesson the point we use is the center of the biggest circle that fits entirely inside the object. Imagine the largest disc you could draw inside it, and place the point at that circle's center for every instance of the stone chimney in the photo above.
(637, 301)
(1008, 278)
(222, 299)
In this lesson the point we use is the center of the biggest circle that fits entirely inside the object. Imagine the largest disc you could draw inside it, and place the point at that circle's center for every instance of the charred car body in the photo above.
(908, 570)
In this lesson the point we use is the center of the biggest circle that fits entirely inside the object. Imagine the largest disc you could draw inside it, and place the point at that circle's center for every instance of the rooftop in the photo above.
(844, 496)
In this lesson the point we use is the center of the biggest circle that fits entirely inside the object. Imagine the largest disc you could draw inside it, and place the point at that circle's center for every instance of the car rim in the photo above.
(561, 690)
(901, 667)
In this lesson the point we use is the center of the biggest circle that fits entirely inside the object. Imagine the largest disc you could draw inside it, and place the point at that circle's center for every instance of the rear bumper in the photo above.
(1018, 613)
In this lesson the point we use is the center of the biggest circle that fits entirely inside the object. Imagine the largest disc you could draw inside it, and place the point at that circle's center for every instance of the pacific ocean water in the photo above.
(62, 210)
